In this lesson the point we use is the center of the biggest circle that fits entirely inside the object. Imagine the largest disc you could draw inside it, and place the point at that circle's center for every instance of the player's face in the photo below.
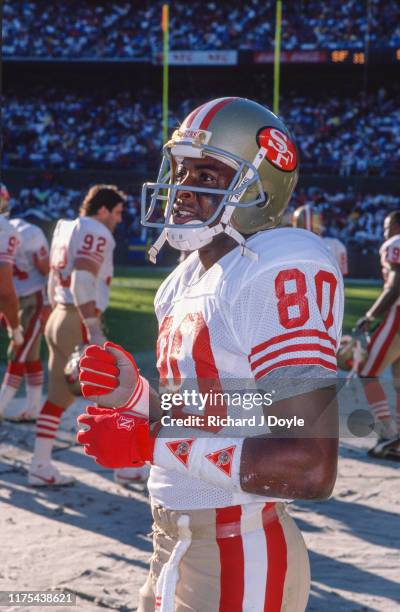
(208, 173)
(390, 228)
(114, 216)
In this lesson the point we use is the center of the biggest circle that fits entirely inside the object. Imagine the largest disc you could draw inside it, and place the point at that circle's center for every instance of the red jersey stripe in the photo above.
(301, 333)
(293, 348)
(96, 256)
(297, 361)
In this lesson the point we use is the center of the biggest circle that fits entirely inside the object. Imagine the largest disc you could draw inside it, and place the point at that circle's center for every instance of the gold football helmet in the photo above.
(308, 218)
(247, 137)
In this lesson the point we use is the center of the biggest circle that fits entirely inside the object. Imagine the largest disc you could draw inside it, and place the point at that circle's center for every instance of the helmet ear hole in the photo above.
(266, 201)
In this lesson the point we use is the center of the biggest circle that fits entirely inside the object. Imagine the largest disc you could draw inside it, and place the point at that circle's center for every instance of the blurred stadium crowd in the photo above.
(335, 134)
(354, 218)
(47, 129)
(79, 28)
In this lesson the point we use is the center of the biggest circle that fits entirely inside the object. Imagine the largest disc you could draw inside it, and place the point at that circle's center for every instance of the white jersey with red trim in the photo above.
(251, 322)
(33, 246)
(9, 241)
(339, 251)
(84, 238)
(389, 254)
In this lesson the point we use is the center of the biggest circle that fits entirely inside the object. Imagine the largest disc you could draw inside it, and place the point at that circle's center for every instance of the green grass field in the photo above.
(358, 299)
(131, 320)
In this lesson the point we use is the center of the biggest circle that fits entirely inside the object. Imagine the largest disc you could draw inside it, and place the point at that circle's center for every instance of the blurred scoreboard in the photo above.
(375, 56)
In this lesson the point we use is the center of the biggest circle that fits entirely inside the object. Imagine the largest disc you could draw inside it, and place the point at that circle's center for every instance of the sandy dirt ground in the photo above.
(92, 539)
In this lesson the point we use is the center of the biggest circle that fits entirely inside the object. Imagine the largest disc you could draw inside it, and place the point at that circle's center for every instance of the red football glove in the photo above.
(114, 439)
(109, 376)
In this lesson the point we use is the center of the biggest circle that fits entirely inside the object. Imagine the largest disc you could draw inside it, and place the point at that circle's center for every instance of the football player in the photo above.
(8, 298)
(30, 275)
(81, 260)
(250, 306)
(307, 217)
(384, 348)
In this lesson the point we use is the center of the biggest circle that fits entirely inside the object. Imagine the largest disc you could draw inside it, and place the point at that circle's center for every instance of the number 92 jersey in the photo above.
(84, 238)
(280, 316)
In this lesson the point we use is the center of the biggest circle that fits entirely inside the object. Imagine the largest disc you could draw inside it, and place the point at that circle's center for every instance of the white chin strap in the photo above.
(185, 239)
(195, 238)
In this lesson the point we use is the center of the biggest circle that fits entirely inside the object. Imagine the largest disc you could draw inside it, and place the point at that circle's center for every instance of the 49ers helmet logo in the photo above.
(280, 150)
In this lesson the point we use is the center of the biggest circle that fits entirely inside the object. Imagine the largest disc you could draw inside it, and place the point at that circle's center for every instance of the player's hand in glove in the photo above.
(115, 439)
(109, 376)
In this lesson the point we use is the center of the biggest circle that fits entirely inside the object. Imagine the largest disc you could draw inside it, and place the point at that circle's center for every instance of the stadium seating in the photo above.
(339, 135)
(39, 28)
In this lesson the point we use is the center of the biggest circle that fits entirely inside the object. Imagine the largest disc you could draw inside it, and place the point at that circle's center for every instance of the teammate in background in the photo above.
(248, 307)
(8, 297)
(384, 348)
(81, 261)
(30, 276)
(306, 217)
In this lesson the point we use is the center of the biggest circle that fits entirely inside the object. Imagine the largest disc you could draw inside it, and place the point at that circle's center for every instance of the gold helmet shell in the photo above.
(247, 137)
(309, 218)
(240, 127)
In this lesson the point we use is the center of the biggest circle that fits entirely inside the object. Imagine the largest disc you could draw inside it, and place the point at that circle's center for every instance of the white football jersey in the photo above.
(390, 254)
(9, 241)
(33, 244)
(244, 320)
(88, 238)
(339, 251)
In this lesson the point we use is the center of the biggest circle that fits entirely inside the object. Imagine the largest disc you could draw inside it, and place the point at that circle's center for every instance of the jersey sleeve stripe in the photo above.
(95, 256)
(293, 348)
(295, 355)
(304, 342)
(301, 333)
(297, 361)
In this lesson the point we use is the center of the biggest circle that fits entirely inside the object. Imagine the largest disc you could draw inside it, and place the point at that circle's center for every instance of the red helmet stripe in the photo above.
(188, 122)
(213, 111)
